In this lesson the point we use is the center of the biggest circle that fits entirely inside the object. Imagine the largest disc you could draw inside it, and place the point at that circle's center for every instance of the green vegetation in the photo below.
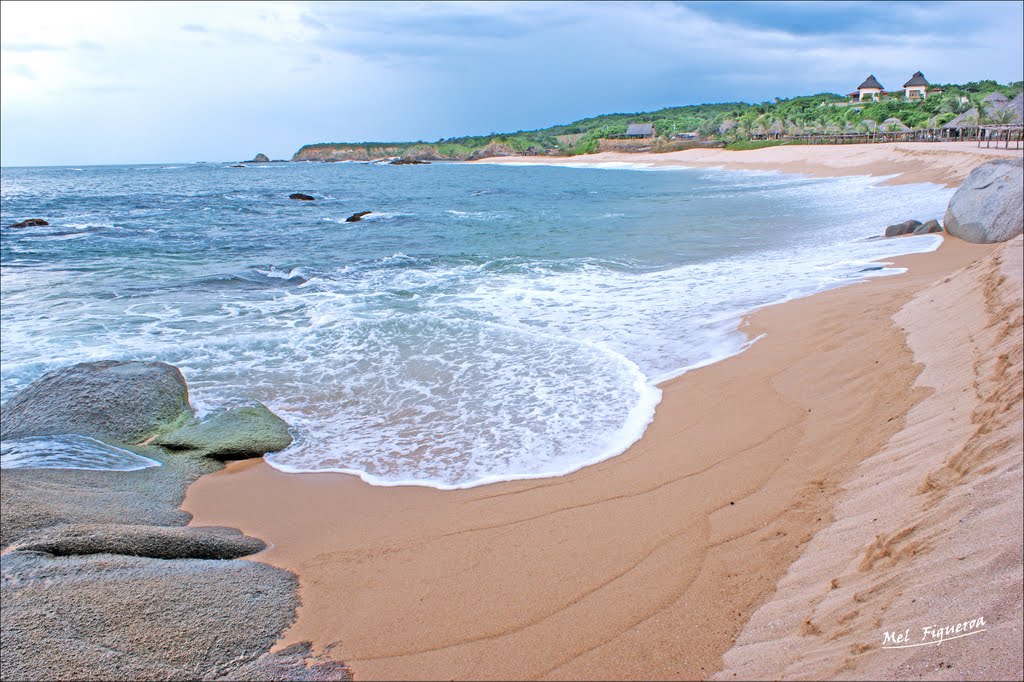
(732, 122)
(743, 145)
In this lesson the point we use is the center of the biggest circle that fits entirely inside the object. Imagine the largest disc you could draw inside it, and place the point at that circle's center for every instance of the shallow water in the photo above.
(483, 323)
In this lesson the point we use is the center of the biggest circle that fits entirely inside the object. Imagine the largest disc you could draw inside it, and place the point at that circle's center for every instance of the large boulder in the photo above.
(260, 158)
(111, 401)
(239, 433)
(989, 205)
(299, 196)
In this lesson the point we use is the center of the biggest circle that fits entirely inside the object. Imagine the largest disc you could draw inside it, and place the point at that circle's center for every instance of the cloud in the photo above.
(239, 77)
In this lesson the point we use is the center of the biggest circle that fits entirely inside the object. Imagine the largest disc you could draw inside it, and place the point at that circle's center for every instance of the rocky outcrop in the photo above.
(155, 542)
(299, 196)
(31, 222)
(356, 217)
(115, 402)
(406, 161)
(989, 205)
(491, 150)
(928, 227)
(902, 228)
(240, 433)
(260, 158)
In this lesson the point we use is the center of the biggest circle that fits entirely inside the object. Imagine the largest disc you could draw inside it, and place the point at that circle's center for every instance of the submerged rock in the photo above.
(989, 205)
(240, 433)
(299, 196)
(115, 402)
(356, 217)
(31, 222)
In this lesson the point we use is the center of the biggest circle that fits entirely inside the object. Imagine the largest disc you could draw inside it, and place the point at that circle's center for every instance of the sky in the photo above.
(137, 82)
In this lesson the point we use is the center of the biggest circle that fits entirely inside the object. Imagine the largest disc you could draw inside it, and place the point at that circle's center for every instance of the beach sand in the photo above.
(713, 542)
(946, 163)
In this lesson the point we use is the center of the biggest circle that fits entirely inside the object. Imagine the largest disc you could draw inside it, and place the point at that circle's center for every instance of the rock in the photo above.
(299, 196)
(989, 205)
(155, 542)
(115, 402)
(239, 433)
(356, 217)
(902, 228)
(260, 158)
(406, 161)
(237, 165)
(928, 227)
(31, 222)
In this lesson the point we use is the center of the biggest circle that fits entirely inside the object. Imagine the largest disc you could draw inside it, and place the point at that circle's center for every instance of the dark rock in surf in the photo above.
(356, 217)
(31, 222)
(406, 161)
(260, 158)
(902, 228)
(299, 196)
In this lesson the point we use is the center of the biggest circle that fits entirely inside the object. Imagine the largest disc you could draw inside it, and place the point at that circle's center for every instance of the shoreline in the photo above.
(660, 562)
(422, 583)
(943, 163)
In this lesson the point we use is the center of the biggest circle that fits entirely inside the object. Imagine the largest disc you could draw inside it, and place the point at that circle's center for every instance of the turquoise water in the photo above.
(485, 322)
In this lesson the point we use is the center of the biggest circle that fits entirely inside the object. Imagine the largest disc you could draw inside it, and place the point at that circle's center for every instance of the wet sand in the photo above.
(648, 565)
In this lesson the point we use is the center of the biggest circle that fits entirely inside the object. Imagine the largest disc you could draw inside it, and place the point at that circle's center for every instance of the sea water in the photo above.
(483, 323)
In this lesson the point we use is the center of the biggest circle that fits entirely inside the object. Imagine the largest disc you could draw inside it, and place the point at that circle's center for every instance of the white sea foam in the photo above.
(450, 372)
(69, 452)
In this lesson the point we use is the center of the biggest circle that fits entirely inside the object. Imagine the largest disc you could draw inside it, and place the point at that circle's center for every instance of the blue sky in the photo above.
(85, 83)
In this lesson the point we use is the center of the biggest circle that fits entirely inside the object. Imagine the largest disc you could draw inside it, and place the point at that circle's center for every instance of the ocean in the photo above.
(483, 323)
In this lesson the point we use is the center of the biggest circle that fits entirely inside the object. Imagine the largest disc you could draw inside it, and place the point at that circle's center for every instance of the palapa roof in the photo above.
(968, 119)
(726, 126)
(1017, 104)
(869, 123)
(916, 79)
(640, 129)
(870, 82)
(887, 123)
(776, 127)
(996, 98)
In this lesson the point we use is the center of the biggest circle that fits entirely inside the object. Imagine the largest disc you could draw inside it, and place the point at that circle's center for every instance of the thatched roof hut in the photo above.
(870, 83)
(894, 125)
(1017, 105)
(776, 128)
(916, 80)
(640, 130)
(726, 126)
(996, 99)
(869, 124)
(968, 119)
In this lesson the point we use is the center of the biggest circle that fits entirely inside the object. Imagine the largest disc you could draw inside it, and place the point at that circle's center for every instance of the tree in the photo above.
(999, 117)
(955, 104)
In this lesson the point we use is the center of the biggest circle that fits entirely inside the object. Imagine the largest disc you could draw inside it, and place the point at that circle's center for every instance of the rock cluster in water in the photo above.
(299, 196)
(911, 227)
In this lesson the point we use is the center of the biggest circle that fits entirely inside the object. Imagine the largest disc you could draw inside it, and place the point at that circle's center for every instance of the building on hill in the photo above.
(640, 130)
(868, 91)
(919, 88)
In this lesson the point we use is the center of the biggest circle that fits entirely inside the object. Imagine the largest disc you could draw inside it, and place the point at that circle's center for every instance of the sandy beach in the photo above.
(856, 471)
(945, 163)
